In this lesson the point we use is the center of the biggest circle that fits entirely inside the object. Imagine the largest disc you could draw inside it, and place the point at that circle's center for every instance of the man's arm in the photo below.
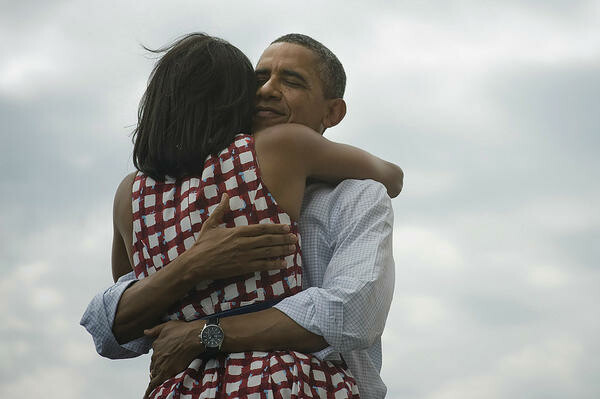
(349, 308)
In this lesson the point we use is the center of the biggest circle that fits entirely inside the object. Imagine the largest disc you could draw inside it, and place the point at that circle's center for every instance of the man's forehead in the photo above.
(288, 56)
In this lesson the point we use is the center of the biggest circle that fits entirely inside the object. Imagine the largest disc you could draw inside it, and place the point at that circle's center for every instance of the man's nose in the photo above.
(269, 90)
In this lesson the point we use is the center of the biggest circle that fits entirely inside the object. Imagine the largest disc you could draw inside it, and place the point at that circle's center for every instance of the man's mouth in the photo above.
(268, 112)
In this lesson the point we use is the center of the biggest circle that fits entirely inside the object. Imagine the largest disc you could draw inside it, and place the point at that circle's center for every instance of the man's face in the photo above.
(289, 88)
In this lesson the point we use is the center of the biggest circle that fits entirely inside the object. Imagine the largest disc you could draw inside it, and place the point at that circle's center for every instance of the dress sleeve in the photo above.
(99, 317)
(351, 307)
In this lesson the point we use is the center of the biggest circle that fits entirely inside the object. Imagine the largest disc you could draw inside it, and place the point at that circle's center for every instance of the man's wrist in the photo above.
(193, 336)
(267, 330)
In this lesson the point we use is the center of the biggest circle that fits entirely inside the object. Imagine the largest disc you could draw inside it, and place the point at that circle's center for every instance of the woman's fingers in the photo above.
(250, 266)
(265, 264)
(269, 252)
(262, 229)
(267, 240)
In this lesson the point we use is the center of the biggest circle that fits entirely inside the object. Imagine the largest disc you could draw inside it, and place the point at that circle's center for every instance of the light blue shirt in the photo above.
(348, 281)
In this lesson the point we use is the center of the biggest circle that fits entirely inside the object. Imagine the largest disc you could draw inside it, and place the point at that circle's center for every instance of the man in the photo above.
(347, 253)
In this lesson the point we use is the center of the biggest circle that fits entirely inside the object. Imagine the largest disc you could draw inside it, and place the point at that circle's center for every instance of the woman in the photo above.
(190, 149)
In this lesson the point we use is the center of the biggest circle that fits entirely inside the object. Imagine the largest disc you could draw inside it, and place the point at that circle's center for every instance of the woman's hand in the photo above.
(176, 345)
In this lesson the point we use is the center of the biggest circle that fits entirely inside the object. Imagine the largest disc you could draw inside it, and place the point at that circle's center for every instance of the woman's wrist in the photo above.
(191, 269)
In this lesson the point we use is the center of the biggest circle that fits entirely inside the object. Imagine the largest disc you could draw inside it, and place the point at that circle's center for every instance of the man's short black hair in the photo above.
(200, 95)
(331, 70)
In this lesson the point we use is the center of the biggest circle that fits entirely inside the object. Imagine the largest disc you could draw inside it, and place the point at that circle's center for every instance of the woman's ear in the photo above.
(336, 110)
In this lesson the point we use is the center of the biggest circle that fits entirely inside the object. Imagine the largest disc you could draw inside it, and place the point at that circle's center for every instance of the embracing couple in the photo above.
(232, 172)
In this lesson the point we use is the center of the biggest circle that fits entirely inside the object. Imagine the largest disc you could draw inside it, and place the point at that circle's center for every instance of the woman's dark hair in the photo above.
(200, 94)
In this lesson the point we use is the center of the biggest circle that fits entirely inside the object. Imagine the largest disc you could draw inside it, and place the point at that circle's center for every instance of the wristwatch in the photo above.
(212, 336)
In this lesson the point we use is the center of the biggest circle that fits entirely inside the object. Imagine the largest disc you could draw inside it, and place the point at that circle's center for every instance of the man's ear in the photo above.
(336, 110)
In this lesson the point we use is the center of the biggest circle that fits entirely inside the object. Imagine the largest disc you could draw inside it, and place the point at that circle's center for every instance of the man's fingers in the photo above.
(155, 381)
(154, 331)
(155, 364)
(153, 384)
(216, 217)
(149, 390)
(262, 229)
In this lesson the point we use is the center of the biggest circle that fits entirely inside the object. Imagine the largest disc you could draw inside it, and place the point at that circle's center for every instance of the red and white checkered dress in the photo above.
(167, 217)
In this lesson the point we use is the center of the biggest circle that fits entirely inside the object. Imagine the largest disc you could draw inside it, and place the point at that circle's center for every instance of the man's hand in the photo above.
(175, 347)
(177, 343)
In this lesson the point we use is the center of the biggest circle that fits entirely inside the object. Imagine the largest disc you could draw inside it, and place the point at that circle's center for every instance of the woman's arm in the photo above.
(217, 253)
(328, 161)
(122, 223)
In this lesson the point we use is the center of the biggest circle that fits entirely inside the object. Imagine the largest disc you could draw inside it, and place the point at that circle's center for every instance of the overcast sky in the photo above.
(491, 108)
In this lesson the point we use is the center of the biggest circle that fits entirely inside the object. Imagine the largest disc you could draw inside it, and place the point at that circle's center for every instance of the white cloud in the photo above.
(424, 248)
(46, 298)
(552, 357)
(14, 324)
(31, 272)
(550, 361)
(422, 310)
(510, 35)
(18, 73)
(45, 382)
(549, 276)
(564, 214)
(427, 183)
(78, 354)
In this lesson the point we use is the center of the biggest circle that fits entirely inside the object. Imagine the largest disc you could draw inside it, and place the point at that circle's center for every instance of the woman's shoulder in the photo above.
(122, 203)
(124, 188)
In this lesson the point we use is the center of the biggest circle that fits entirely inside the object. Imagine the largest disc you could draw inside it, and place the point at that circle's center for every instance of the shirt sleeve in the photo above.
(351, 307)
(99, 317)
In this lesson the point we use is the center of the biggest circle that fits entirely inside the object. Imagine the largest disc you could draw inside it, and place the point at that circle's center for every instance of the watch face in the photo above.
(212, 336)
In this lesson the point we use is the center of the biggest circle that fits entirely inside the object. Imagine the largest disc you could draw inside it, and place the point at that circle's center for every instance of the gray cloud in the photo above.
(489, 107)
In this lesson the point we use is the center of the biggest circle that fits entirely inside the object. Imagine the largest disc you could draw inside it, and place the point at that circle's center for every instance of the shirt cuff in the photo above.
(98, 320)
(297, 308)
(328, 354)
